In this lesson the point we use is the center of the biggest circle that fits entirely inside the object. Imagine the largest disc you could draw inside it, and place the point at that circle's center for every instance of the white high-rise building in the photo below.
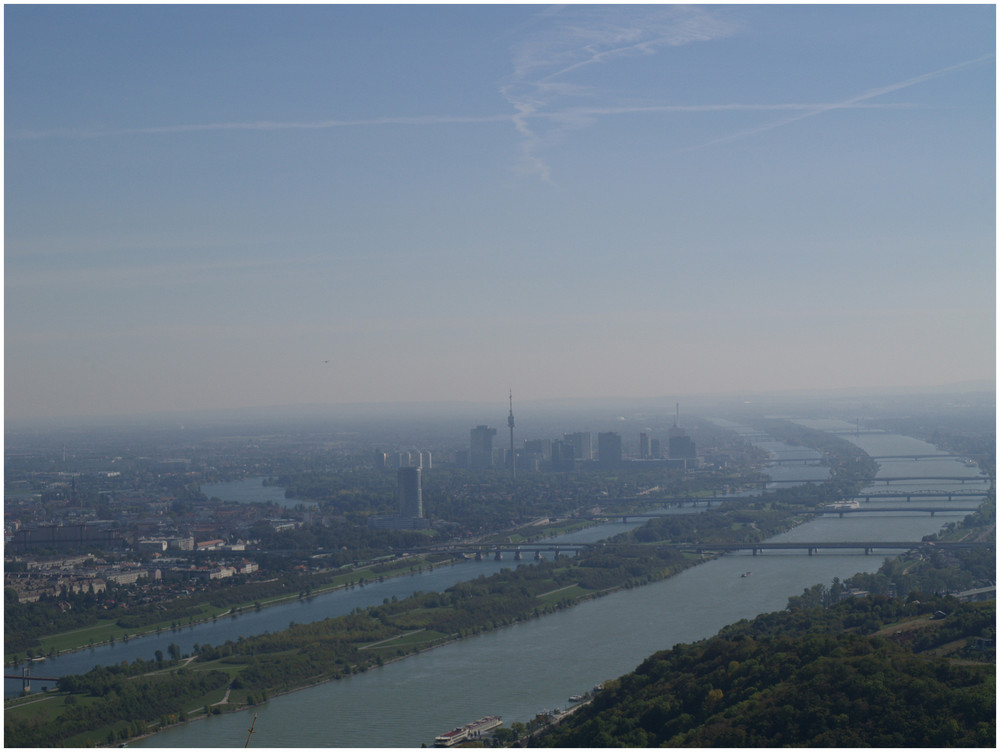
(409, 495)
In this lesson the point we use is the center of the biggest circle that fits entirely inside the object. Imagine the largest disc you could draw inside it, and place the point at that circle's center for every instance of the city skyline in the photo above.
(245, 206)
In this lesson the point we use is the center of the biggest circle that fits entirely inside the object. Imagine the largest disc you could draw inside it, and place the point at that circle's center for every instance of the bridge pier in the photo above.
(479, 555)
(498, 556)
(26, 677)
(538, 555)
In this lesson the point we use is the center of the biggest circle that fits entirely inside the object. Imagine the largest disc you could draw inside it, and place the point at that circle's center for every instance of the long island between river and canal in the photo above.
(521, 670)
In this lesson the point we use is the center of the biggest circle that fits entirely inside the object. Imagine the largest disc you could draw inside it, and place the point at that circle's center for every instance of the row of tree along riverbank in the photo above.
(254, 668)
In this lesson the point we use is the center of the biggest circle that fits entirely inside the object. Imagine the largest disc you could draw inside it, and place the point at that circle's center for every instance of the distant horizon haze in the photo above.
(237, 206)
(494, 412)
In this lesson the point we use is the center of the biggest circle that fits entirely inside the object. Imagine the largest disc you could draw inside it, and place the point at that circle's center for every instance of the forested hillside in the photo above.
(866, 672)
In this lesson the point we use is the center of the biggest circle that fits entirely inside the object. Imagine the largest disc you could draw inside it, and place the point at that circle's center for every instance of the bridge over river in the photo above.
(482, 550)
(497, 550)
(815, 546)
(813, 460)
(866, 509)
(910, 495)
(709, 500)
(963, 479)
(626, 516)
(26, 676)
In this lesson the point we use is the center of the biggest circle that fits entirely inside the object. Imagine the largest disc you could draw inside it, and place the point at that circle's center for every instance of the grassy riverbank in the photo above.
(249, 670)
(107, 631)
(242, 673)
(253, 669)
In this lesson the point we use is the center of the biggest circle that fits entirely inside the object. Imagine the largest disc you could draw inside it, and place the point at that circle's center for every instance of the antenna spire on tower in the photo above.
(510, 423)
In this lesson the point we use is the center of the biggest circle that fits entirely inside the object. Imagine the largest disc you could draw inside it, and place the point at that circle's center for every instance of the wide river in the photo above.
(521, 670)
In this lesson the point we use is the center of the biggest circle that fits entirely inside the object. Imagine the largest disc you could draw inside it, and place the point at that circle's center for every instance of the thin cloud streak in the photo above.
(533, 107)
(850, 103)
(584, 37)
(261, 125)
(428, 120)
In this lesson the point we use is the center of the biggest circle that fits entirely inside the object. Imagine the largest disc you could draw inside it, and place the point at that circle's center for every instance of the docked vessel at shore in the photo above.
(468, 732)
(842, 505)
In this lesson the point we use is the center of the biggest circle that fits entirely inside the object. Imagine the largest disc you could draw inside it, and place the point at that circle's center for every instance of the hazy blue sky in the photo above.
(206, 204)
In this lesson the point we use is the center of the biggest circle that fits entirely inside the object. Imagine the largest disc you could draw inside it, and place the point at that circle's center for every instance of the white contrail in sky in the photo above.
(261, 125)
(586, 36)
(533, 107)
(850, 103)
(424, 120)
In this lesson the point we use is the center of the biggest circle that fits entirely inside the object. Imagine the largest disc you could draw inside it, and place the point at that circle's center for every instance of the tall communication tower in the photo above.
(510, 423)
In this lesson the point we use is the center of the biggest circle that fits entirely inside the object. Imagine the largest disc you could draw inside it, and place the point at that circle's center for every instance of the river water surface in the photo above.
(521, 670)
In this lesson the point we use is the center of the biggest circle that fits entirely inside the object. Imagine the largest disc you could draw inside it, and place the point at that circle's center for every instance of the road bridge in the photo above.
(856, 432)
(674, 501)
(956, 478)
(866, 509)
(914, 457)
(813, 547)
(805, 461)
(679, 501)
(626, 516)
(908, 495)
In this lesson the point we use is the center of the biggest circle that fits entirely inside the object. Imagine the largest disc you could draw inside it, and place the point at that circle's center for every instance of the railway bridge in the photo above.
(480, 551)
(26, 676)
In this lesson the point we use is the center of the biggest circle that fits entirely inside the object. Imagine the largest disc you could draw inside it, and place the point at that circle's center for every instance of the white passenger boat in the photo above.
(468, 732)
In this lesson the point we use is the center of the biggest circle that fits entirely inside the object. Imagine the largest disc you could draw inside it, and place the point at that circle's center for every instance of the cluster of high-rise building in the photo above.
(573, 451)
